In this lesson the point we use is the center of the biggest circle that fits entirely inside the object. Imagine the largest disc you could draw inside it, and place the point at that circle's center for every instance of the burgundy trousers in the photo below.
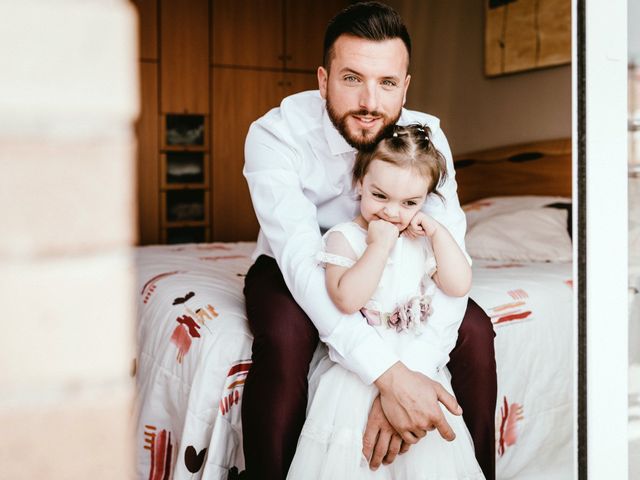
(275, 392)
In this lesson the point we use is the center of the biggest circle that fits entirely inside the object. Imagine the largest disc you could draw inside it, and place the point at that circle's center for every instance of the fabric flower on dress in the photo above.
(411, 315)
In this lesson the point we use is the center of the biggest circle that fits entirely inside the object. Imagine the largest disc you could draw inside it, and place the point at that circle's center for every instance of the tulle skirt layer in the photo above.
(330, 445)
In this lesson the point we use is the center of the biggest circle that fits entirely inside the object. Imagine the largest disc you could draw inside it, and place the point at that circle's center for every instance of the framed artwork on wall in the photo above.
(525, 35)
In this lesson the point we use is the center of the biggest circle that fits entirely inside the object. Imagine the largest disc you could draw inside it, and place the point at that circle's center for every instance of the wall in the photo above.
(448, 81)
(68, 98)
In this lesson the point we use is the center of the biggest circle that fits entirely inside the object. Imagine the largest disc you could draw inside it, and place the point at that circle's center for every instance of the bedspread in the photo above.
(194, 351)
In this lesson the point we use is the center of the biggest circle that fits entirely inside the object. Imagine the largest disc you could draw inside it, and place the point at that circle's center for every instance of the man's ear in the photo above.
(406, 87)
(323, 76)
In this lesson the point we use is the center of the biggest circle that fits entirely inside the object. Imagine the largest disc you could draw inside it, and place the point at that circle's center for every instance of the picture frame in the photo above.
(523, 35)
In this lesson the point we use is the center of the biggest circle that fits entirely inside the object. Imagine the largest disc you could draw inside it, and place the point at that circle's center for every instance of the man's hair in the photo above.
(369, 20)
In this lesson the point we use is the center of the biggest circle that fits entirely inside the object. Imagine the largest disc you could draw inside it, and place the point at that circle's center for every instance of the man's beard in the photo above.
(366, 142)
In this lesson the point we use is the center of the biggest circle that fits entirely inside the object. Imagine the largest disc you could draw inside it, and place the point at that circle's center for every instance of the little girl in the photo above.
(386, 263)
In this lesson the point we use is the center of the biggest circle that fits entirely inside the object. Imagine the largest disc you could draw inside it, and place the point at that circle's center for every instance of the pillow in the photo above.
(486, 207)
(513, 232)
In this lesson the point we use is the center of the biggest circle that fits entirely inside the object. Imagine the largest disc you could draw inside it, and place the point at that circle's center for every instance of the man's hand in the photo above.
(410, 403)
(381, 443)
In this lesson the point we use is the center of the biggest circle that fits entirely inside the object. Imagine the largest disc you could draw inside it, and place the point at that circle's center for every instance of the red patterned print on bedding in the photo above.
(510, 415)
(189, 324)
(233, 385)
(518, 293)
(150, 286)
(181, 339)
(161, 451)
(512, 311)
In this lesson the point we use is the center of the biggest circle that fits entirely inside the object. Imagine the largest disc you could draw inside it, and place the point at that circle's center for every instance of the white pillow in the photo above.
(487, 207)
(531, 234)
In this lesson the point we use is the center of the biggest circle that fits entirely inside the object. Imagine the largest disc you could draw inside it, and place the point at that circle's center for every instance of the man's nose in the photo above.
(369, 98)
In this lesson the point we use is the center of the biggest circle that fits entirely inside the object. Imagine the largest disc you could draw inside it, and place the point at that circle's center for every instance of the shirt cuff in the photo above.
(424, 358)
(369, 359)
(370, 363)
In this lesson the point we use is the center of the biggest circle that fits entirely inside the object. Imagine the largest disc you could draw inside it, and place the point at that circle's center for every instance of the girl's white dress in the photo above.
(330, 445)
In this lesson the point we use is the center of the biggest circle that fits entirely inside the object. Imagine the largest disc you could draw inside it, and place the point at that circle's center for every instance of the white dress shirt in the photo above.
(298, 167)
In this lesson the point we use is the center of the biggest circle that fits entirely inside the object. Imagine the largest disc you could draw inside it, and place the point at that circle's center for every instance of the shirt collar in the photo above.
(337, 143)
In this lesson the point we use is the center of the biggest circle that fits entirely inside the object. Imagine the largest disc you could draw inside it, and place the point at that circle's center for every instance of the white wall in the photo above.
(448, 81)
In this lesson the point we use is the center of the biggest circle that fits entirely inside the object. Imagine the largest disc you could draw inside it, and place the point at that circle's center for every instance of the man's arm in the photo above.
(289, 221)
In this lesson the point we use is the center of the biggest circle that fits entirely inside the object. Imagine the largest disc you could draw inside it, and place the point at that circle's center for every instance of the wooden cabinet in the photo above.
(259, 56)
(147, 131)
(240, 97)
(184, 56)
(282, 34)
(147, 28)
(248, 94)
(295, 82)
(247, 34)
(305, 25)
(221, 64)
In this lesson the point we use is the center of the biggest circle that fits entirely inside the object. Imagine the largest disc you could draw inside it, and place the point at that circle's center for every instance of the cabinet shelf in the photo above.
(179, 148)
(180, 170)
(184, 186)
(184, 132)
(185, 207)
(185, 223)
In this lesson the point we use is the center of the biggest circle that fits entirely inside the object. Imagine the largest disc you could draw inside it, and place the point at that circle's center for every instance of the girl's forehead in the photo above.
(379, 169)
(405, 181)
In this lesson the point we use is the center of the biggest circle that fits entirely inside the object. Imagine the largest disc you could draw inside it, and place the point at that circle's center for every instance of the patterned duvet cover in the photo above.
(194, 351)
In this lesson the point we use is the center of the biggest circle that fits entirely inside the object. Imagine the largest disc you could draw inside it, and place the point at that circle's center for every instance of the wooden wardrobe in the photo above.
(208, 68)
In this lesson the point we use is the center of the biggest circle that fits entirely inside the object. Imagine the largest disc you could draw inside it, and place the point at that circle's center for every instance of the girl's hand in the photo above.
(383, 233)
(421, 225)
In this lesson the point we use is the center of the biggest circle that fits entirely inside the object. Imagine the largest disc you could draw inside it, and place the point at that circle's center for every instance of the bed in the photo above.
(194, 347)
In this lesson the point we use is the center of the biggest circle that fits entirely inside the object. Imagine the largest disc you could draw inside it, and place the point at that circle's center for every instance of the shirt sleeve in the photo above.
(288, 219)
(429, 352)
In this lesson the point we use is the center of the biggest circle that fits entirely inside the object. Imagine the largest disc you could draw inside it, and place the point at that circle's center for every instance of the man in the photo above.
(298, 161)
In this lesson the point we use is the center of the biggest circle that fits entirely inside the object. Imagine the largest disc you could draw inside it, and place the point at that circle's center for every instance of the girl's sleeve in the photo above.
(337, 251)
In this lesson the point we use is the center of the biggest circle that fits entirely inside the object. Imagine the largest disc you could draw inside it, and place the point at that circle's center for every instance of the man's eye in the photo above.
(389, 83)
(411, 203)
(351, 78)
(379, 195)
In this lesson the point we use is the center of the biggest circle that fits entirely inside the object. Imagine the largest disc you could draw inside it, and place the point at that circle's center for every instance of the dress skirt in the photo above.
(330, 445)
